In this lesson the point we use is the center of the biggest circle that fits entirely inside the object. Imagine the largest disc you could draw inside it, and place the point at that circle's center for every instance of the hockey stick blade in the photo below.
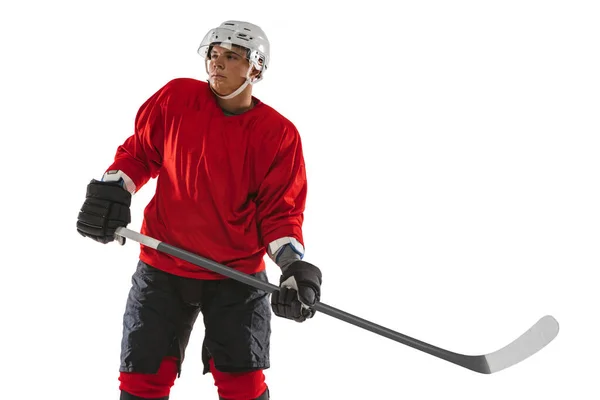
(529, 343)
(526, 345)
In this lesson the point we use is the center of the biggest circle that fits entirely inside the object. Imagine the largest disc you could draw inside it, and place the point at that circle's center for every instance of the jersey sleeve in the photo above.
(281, 197)
(140, 156)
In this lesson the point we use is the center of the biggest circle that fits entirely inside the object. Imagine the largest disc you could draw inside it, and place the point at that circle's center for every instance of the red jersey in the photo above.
(226, 186)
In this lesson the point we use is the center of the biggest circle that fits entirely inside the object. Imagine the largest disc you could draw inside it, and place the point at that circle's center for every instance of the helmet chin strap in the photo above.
(236, 92)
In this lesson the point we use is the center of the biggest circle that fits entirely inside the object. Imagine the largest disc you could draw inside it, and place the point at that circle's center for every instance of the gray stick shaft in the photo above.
(196, 260)
(229, 272)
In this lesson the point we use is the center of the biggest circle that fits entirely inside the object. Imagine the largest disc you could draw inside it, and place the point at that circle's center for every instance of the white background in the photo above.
(452, 154)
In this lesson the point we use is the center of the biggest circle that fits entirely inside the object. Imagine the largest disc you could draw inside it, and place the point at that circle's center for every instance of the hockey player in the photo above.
(231, 186)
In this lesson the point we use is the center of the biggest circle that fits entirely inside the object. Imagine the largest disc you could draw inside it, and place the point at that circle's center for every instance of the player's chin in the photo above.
(221, 89)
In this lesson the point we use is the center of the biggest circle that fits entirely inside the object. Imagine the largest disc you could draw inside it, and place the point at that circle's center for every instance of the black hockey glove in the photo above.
(299, 288)
(106, 208)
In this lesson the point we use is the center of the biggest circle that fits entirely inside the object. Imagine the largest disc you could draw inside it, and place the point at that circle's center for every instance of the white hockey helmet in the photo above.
(244, 34)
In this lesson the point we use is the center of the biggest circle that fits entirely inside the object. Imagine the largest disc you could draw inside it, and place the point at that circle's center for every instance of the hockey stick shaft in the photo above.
(270, 288)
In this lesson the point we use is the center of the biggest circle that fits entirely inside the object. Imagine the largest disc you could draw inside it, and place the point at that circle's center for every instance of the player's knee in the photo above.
(239, 385)
(150, 386)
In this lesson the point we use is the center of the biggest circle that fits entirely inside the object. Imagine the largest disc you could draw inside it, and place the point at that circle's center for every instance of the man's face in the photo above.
(227, 68)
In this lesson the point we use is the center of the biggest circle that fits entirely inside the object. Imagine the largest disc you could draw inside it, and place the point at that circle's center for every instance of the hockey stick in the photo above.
(529, 343)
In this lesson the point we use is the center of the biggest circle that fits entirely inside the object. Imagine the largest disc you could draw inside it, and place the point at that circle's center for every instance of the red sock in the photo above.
(151, 386)
(239, 385)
